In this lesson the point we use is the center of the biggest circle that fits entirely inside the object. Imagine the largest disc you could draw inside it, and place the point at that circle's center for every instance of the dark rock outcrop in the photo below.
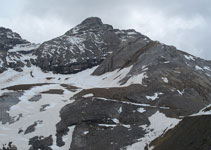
(95, 117)
(7, 100)
(41, 143)
(82, 47)
(8, 39)
(15, 52)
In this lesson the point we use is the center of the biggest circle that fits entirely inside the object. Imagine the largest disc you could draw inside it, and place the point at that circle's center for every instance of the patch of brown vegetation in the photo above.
(23, 87)
(120, 93)
(70, 87)
(49, 78)
(53, 91)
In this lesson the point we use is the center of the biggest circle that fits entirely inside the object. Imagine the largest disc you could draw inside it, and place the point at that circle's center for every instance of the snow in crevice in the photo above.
(86, 132)
(120, 110)
(165, 79)
(207, 68)
(204, 111)
(181, 92)
(67, 139)
(88, 95)
(154, 97)
(189, 57)
(129, 103)
(141, 110)
(115, 120)
(198, 68)
(166, 62)
(136, 79)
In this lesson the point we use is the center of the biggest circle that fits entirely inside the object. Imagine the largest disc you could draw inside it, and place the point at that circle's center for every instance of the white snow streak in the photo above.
(159, 123)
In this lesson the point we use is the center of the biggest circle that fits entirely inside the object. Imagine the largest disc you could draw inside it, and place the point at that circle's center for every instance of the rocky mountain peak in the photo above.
(8, 33)
(84, 46)
(89, 25)
(8, 39)
(92, 21)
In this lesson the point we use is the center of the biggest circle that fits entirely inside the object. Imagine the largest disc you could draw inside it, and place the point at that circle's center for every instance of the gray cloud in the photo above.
(184, 24)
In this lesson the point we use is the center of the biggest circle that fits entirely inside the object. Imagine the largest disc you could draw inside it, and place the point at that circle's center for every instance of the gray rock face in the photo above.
(167, 69)
(15, 52)
(7, 100)
(82, 47)
(8, 39)
(40, 142)
(95, 117)
(15, 61)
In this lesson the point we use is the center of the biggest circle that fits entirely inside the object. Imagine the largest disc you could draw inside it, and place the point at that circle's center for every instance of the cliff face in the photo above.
(82, 47)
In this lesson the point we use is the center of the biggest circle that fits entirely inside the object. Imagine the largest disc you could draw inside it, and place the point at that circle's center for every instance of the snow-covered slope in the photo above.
(24, 48)
(33, 115)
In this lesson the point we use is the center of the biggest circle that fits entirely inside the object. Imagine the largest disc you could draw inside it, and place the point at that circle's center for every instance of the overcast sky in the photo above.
(183, 23)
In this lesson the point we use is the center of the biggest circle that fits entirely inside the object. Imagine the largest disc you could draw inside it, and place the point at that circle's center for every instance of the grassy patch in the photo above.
(54, 91)
(23, 87)
(70, 87)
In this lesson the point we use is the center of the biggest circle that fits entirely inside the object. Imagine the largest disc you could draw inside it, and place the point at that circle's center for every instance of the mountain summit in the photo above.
(97, 87)
(8, 39)
(92, 21)
(82, 47)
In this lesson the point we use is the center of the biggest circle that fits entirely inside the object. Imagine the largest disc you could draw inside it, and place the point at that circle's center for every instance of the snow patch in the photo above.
(88, 95)
(198, 68)
(115, 120)
(181, 92)
(120, 109)
(159, 124)
(166, 62)
(141, 110)
(165, 79)
(136, 79)
(206, 68)
(86, 132)
(189, 57)
(154, 97)
(204, 111)
(126, 126)
(67, 139)
(107, 125)
(24, 47)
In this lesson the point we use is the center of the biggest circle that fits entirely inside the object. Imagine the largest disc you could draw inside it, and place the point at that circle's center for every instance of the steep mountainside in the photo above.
(96, 87)
(190, 134)
(82, 47)
(15, 52)
(8, 39)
